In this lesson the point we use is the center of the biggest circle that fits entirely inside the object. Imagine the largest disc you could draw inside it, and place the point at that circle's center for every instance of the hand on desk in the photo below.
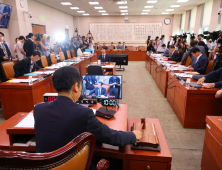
(201, 81)
(138, 134)
(209, 86)
(218, 95)
(190, 68)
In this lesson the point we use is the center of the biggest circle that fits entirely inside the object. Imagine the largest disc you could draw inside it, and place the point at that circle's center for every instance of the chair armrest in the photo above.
(102, 165)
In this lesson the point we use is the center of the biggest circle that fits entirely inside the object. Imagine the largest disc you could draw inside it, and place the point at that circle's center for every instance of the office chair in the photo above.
(62, 57)
(95, 70)
(8, 70)
(76, 155)
(53, 58)
(68, 54)
(44, 61)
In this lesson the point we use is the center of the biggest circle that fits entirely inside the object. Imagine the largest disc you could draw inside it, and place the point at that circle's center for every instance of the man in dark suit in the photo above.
(99, 91)
(200, 64)
(5, 18)
(212, 75)
(175, 55)
(188, 53)
(27, 65)
(114, 83)
(113, 45)
(104, 57)
(30, 46)
(5, 55)
(124, 46)
(104, 46)
(60, 121)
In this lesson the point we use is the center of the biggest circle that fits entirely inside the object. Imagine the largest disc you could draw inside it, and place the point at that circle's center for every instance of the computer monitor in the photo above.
(102, 86)
(5, 14)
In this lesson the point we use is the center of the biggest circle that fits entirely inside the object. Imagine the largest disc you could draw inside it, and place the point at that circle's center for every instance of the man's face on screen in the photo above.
(99, 85)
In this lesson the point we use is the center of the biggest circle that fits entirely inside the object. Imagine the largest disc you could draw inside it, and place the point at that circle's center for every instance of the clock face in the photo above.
(167, 21)
(22, 3)
(108, 102)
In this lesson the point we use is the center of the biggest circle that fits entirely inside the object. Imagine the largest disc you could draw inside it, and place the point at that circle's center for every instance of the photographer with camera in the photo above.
(150, 46)
(210, 49)
(56, 48)
(44, 47)
(160, 43)
(171, 42)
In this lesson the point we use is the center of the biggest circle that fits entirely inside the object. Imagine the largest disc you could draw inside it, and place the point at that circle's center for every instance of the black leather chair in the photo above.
(95, 70)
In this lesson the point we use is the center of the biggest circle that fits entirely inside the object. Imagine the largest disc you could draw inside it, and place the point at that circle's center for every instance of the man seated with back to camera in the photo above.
(104, 57)
(114, 83)
(175, 55)
(201, 61)
(60, 121)
(27, 65)
(166, 51)
(99, 91)
(212, 76)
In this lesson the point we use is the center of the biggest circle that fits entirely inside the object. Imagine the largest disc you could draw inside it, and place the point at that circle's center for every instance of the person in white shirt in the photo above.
(160, 43)
(19, 48)
(210, 49)
(15, 50)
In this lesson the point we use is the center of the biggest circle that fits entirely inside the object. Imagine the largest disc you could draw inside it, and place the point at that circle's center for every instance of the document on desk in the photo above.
(21, 80)
(32, 74)
(183, 75)
(45, 72)
(108, 66)
(27, 122)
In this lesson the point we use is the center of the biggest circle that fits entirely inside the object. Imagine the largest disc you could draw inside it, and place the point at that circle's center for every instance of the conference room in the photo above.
(110, 84)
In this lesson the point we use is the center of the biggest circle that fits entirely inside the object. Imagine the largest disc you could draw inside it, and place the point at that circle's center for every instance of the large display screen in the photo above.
(102, 86)
(5, 14)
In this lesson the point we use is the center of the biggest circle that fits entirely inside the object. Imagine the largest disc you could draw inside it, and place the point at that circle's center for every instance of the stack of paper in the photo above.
(27, 122)
(183, 75)
(21, 80)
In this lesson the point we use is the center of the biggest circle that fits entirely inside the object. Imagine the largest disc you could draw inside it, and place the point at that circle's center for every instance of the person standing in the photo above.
(44, 48)
(19, 48)
(30, 46)
(15, 50)
(5, 19)
(5, 55)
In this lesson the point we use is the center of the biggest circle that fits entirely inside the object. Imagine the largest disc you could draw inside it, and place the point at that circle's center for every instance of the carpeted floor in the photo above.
(144, 99)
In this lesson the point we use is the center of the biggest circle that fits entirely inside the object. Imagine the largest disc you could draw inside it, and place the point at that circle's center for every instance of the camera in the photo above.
(213, 35)
(30, 15)
(76, 30)
(38, 37)
(219, 11)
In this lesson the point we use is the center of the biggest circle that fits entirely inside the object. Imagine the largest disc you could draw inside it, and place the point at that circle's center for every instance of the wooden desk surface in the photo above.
(163, 156)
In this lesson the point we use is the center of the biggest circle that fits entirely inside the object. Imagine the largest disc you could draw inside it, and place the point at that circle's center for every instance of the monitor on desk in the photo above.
(102, 86)
(119, 59)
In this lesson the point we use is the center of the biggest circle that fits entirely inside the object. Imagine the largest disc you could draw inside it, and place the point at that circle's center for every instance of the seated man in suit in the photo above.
(217, 74)
(104, 46)
(99, 91)
(175, 55)
(201, 62)
(60, 121)
(113, 45)
(114, 83)
(97, 46)
(166, 51)
(119, 46)
(27, 65)
(124, 46)
(104, 57)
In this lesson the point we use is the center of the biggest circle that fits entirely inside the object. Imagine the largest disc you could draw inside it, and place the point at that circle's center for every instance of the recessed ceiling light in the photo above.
(122, 2)
(126, 13)
(123, 7)
(93, 3)
(98, 7)
(123, 14)
(173, 6)
(102, 11)
(85, 14)
(182, 0)
(165, 12)
(169, 9)
(66, 3)
(81, 11)
(144, 13)
(123, 10)
(105, 14)
(146, 10)
(148, 6)
(151, 1)
(74, 8)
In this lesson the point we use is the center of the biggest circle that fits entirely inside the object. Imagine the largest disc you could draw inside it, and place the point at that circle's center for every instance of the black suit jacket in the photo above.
(175, 56)
(107, 58)
(60, 121)
(201, 65)
(23, 67)
(29, 47)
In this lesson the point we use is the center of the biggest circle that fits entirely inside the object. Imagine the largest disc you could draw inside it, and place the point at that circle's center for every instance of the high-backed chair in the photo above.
(44, 61)
(100, 48)
(68, 54)
(110, 48)
(8, 70)
(76, 155)
(95, 70)
(210, 66)
(53, 58)
(141, 48)
(188, 61)
(130, 48)
(105, 86)
(62, 57)
(73, 53)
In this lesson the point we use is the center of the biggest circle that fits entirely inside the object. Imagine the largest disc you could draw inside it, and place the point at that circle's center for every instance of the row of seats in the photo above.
(9, 73)
(140, 48)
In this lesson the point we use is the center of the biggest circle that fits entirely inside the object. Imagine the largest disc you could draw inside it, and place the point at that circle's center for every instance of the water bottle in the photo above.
(30, 81)
(172, 70)
(188, 83)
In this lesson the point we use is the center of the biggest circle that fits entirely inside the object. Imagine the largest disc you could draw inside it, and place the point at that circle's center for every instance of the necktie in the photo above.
(104, 56)
(31, 67)
(4, 49)
(195, 64)
(99, 92)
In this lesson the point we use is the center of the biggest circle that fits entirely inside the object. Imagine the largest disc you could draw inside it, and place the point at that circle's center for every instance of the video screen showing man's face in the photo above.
(104, 86)
(5, 14)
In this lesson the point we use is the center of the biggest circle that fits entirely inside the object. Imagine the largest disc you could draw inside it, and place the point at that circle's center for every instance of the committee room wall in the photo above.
(83, 23)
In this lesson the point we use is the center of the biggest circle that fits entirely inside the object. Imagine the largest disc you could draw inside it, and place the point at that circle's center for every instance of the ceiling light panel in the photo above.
(98, 7)
(144, 13)
(85, 14)
(146, 10)
(174, 6)
(81, 11)
(169, 9)
(123, 7)
(66, 3)
(148, 6)
(165, 12)
(102, 11)
(151, 2)
(123, 10)
(122, 2)
(105, 14)
(182, 0)
(74, 8)
(94, 3)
